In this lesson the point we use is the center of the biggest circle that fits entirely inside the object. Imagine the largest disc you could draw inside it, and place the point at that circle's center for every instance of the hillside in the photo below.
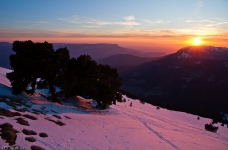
(79, 125)
(96, 51)
(194, 79)
(124, 60)
(101, 50)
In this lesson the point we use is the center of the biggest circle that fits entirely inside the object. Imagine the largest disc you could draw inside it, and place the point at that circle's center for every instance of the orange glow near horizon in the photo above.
(147, 44)
(197, 41)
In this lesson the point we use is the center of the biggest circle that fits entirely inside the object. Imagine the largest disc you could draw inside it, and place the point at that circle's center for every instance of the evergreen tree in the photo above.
(18, 83)
(53, 68)
(112, 77)
(24, 65)
(85, 77)
(36, 60)
(103, 94)
(80, 76)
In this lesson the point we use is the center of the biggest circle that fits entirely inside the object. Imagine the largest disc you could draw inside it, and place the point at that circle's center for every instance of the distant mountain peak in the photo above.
(194, 79)
(203, 52)
(205, 48)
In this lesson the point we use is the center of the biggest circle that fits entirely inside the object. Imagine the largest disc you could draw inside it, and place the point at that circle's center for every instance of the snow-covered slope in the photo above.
(5, 83)
(3, 79)
(141, 126)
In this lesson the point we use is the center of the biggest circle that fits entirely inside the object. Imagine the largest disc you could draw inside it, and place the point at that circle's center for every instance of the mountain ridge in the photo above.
(125, 60)
(96, 51)
(182, 81)
(206, 52)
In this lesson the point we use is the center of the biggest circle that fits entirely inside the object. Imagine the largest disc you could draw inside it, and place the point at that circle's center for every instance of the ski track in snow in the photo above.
(150, 129)
(166, 123)
(161, 137)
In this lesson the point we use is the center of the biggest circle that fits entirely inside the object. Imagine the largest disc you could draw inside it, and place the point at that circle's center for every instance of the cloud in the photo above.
(91, 26)
(155, 21)
(86, 27)
(97, 22)
(180, 18)
(159, 21)
(129, 18)
(199, 20)
(218, 22)
(81, 20)
(117, 33)
(127, 23)
(86, 22)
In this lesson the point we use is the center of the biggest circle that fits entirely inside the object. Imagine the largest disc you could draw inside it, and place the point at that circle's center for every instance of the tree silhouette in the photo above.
(85, 77)
(36, 60)
(81, 76)
(24, 65)
(53, 68)
(112, 77)
(103, 94)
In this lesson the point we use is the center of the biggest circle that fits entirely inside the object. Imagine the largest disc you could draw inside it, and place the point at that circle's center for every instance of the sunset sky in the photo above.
(150, 25)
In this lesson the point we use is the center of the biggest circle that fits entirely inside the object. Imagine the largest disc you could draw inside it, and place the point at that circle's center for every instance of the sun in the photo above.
(196, 41)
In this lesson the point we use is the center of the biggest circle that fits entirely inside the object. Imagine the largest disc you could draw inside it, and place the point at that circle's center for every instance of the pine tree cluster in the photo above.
(75, 76)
